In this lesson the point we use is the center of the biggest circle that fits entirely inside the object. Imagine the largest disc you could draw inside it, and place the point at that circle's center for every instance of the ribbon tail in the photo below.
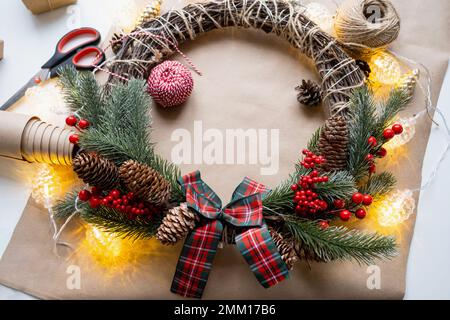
(260, 252)
(196, 259)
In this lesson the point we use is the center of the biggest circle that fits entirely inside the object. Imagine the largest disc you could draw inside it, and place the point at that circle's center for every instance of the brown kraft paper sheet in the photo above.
(248, 83)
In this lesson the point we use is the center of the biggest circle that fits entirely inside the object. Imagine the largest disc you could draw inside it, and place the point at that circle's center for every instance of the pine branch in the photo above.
(313, 144)
(340, 243)
(388, 110)
(112, 221)
(361, 120)
(66, 206)
(379, 185)
(341, 185)
(82, 94)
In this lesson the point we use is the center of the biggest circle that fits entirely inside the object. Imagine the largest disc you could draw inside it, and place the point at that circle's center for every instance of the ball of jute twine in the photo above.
(366, 24)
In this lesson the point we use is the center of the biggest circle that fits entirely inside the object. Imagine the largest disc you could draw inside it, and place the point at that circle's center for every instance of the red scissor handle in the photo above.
(61, 54)
(98, 59)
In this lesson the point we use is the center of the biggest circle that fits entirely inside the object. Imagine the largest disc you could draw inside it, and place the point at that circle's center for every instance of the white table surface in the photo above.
(29, 42)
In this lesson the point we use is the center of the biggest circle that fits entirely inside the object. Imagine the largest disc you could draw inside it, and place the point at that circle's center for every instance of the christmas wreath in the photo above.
(132, 192)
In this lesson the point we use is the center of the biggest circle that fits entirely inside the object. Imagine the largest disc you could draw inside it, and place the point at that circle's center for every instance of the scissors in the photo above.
(79, 55)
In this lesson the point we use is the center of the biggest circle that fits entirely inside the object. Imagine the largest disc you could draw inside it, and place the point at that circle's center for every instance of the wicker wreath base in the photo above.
(156, 39)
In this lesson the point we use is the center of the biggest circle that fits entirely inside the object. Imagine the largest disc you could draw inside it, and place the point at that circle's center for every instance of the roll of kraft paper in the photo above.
(40, 6)
(28, 138)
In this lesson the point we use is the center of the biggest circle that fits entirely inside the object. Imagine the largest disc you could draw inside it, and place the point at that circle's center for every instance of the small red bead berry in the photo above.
(339, 203)
(345, 215)
(37, 80)
(367, 200)
(83, 124)
(84, 195)
(94, 202)
(74, 138)
(397, 128)
(388, 134)
(325, 179)
(115, 194)
(372, 168)
(71, 121)
(324, 225)
(105, 202)
(360, 213)
(382, 152)
(369, 158)
(357, 198)
(294, 187)
(372, 141)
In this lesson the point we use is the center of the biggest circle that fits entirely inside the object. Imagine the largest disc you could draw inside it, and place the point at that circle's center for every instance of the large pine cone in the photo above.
(177, 223)
(285, 248)
(96, 170)
(333, 143)
(145, 182)
(309, 93)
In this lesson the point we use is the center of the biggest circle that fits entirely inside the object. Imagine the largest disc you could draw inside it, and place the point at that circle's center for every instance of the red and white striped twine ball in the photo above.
(170, 83)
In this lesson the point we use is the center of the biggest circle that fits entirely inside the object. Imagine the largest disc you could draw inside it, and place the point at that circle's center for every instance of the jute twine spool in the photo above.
(366, 24)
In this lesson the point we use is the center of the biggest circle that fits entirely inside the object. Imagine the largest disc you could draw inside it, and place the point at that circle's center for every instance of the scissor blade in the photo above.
(21, 92)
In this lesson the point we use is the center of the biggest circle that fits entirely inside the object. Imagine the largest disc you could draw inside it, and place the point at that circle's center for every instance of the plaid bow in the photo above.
(252, 236)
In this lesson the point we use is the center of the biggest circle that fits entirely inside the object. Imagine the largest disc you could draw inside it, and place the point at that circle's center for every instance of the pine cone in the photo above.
(151, 11)
(145, 182)
(285, 248)
(333, 143)
(309, 93)
(116, 42)
(96, 170)
(177, 223)
(408, 83)
(364, 66)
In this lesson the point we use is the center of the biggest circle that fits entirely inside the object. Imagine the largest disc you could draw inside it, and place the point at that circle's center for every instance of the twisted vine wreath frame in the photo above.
(140, 51)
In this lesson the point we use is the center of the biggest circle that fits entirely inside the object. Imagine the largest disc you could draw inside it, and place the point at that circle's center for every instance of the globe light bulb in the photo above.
(395, 208)
(409, 130)
(385, 69)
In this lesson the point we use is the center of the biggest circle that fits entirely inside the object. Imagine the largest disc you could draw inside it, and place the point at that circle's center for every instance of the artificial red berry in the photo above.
(115, 194)
(71, 121)
(397, 128)
(294, 187)
(83, 124)
(360, 213)
(94, 202)
(345, 215)
(96, 190)
(388, 134)
(372, 168)
(339, 203)
(372, 141)
(84, 195)
(369, 158)
(105, 202)
(297, 199)
(382, 152)
(324, 225)
(74, 138)
(37, 80)
(357, 198)
(367, 200)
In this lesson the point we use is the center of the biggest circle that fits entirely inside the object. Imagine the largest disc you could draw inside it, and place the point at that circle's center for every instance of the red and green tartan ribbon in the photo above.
(253, 239)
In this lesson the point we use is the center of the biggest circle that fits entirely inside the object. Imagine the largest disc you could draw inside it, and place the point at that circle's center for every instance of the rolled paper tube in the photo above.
(28, 138)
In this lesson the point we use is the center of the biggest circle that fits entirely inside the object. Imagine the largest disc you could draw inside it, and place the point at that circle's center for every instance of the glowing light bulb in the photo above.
(320, 15)
(409, 130)
(385, 69)
(125, 13)
(395, 208)
(50, 183)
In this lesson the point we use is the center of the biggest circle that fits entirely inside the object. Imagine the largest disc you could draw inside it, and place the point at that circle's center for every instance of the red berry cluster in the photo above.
(125, 203)
(306, 201)
(389, 133)
(358, 199)
(81, 124)
(311, 159)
